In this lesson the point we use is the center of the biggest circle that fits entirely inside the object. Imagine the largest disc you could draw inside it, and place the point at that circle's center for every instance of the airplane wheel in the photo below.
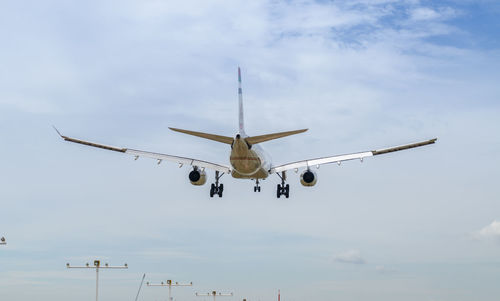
(255, 189)
(221, 187)
(220, 193)
(287, 191)
(258, 189)
(212, 190)
(278, 191)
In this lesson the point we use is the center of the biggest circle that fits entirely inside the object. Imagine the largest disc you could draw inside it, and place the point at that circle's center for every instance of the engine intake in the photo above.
(197, 177)
(308, 178)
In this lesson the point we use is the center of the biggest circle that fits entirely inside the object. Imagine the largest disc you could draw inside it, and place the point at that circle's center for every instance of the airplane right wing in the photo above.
(158, 156)
(340, 158)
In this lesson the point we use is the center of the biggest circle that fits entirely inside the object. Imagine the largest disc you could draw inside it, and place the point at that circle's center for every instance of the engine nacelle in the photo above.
(197, 177)
(308, 178)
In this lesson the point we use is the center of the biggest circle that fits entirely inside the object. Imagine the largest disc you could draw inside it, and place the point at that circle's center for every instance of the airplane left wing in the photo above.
(158, 156)
(340, 158)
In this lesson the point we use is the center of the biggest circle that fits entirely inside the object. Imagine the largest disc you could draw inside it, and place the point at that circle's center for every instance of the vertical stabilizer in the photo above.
(240, 108)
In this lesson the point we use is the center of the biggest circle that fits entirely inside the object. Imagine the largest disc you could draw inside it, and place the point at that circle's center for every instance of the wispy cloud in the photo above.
(351, 256)
(382, 269)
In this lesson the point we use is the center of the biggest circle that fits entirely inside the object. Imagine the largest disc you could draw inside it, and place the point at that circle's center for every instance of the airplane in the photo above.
(247, 158)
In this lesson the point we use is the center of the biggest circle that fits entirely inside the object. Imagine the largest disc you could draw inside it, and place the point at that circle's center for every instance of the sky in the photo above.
(422, 224)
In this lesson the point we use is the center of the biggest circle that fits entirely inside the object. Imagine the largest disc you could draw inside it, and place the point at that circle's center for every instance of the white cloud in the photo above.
(429, 14)
(385, 270)
(351, 256)
(492, 231)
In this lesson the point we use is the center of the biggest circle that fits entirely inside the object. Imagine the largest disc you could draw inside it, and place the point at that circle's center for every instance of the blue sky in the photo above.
(417, 225)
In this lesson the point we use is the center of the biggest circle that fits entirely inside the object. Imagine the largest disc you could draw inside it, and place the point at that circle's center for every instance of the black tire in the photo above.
(278, 191)
(220, 193)
(254, 189)
(258, 189)
(221, 188)
(212, 191)
(287, 191)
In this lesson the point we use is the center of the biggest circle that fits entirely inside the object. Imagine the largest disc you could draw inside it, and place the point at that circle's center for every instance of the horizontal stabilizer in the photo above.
(263, 138)
(218, 138)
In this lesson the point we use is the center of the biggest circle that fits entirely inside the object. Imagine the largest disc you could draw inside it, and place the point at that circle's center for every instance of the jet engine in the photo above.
(308, 178)
(197, 177)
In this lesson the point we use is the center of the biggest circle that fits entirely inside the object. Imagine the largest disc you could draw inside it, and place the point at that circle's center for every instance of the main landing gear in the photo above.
(217, 188)
(283, 189)
(256, 188)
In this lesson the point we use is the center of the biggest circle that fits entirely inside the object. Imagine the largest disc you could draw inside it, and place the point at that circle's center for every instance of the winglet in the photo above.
(57, 131)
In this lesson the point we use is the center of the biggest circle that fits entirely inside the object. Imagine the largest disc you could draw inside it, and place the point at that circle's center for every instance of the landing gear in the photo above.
(256, 188)
(283, 189)
(217, 188)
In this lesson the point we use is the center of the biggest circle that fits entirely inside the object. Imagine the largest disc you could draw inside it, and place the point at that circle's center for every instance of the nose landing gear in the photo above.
(283, 189)
(217, 188)
(256, 188)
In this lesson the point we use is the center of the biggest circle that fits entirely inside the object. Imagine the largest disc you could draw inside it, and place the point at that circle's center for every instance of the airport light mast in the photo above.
(2, 241)
(170, 283)
(97, 266)
(214, 294)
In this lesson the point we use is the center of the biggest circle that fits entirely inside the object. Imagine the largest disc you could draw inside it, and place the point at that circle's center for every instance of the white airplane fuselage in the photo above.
(248, 161)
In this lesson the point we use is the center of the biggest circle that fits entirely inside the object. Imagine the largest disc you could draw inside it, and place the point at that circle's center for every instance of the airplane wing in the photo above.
(340, 158)
(157, 156)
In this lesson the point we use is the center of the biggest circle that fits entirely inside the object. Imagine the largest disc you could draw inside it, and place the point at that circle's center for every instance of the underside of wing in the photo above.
(340, 158)
(158, 156)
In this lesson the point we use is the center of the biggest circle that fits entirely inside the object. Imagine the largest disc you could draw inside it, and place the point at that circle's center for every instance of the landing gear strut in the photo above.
(217, 188)
(283, 189)
(256, 188)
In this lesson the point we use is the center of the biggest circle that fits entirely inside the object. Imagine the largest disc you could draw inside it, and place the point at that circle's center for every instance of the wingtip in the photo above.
(57, 131)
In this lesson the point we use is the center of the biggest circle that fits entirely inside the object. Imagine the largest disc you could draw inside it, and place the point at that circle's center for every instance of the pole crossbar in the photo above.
(97, 266)
(170, 284)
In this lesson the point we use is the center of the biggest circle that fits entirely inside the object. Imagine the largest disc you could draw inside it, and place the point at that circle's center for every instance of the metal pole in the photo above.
(96, 283)
(142, 281)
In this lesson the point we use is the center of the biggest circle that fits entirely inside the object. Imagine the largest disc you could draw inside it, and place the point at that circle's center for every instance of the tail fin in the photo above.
(240, 108)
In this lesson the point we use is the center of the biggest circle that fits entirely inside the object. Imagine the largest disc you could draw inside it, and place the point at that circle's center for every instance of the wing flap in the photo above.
(403, 147)
(180, 160)
(152, 155)
(320, 161)
(347, 157)
(88, 143)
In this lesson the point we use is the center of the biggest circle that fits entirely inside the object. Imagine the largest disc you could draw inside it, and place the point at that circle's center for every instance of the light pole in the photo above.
(97, 266)
(170, 283)
(214, 294)
(2, 241)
